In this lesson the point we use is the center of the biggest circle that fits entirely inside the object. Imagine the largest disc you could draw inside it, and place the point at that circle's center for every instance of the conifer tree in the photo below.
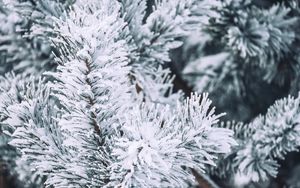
(104, 93)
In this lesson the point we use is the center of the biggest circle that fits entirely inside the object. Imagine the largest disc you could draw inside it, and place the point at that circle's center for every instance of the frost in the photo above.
(107, 115)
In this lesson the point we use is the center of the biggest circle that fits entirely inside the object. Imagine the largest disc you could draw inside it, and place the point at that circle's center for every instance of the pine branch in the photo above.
(87, 127)
(262, 142)
(158, 141)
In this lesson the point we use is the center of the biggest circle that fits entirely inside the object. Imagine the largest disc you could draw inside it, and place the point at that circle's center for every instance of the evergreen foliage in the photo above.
(104, 93)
